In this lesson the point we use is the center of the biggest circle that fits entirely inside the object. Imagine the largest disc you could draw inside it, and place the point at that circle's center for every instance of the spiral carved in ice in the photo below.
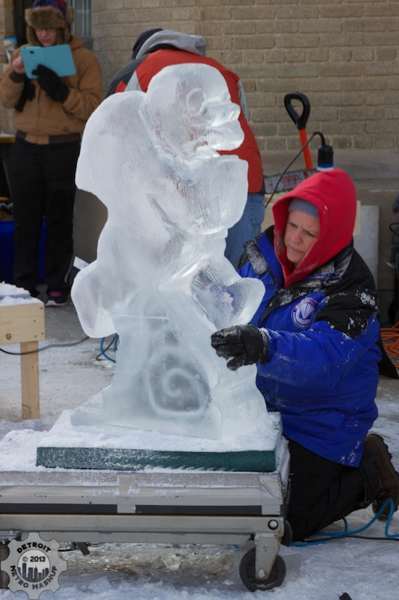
(176, 384)
(161, 280)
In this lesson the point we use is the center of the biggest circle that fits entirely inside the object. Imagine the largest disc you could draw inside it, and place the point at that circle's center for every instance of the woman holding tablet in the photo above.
(50, 114)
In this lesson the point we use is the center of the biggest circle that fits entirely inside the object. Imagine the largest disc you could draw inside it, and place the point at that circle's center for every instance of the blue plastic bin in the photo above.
(7, 251)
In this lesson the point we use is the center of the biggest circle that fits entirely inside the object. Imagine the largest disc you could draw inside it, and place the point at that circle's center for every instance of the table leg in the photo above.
(30, 381)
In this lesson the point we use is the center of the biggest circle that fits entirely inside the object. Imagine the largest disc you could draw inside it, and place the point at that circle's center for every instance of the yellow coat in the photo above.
(43, 117)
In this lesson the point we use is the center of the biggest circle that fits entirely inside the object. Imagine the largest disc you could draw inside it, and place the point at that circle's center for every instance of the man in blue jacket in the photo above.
(315, 340)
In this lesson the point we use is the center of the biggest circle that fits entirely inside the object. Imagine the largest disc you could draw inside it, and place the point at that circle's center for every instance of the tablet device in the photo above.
(58, 58)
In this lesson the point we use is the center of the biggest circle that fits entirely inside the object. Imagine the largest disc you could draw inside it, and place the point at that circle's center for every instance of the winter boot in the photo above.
(57, 297)
(377, 451)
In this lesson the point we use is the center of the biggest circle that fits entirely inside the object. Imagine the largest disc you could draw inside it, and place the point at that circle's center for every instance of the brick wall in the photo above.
(342, 53)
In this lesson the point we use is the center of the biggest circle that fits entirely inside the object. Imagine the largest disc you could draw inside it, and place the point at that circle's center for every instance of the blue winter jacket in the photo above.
(322, 367)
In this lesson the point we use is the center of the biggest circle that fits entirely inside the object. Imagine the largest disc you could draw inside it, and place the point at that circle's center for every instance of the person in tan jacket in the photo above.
(50, 115)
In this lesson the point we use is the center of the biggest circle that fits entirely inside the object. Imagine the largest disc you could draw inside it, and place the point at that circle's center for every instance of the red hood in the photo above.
(334, 195)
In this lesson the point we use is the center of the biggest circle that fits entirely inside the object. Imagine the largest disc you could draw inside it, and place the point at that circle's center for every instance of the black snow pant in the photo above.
(322, 491)
(42, 184)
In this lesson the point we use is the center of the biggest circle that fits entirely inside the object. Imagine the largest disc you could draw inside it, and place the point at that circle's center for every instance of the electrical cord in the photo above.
(268, 201)
(390, 339)
(69, 345)
(371, 537)
(103, 351)
(353, 533)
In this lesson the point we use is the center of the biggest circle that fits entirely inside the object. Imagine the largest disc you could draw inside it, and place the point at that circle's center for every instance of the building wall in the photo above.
(343, 54)
(6, 17)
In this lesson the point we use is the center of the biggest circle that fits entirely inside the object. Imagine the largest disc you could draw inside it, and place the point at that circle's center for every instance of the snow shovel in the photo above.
(300, 122)
(287, 180)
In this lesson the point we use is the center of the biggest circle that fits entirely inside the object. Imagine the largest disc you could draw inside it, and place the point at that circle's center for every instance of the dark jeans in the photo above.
(322, 491)
(247, 228)
(42, 182)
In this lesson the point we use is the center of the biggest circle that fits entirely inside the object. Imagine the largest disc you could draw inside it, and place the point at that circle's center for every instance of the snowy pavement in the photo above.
(366, 570)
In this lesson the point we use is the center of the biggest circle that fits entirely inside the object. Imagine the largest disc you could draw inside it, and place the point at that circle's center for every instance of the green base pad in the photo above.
(263, 461)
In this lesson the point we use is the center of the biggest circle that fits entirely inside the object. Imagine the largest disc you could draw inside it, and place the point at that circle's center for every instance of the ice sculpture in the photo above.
(161, 280)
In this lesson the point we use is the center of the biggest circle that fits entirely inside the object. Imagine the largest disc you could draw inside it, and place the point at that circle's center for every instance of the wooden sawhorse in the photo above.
(24, 324)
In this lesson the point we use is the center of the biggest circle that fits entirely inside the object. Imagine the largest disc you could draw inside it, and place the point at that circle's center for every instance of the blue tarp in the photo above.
(7, 251)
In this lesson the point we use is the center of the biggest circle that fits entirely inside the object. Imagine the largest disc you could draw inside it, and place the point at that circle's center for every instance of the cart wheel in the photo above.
(4, 578)
(288, 536)
(251, 582)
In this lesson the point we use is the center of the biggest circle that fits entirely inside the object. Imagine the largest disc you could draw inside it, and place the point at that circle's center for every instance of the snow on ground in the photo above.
(364, 569)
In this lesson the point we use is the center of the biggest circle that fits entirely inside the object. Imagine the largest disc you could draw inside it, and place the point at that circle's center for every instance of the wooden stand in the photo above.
(24, 324)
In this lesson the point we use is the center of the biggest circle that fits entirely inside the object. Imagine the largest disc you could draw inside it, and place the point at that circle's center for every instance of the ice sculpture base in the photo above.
(92, 413)
(126, 459)
(114, 448)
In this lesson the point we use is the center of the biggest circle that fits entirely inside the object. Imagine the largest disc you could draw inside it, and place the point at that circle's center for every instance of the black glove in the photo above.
(51, 83)
(240, 345)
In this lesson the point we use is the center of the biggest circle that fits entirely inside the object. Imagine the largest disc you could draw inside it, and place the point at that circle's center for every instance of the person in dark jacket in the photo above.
(315, 341)
(158, 48)
(50, 114)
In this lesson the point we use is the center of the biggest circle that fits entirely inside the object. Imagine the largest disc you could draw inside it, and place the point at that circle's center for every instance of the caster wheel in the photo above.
(288, 534)
(4, 577)
(251, 582)
(4, 580)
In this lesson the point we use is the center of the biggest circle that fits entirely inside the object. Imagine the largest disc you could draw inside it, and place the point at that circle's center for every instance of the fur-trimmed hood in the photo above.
(47, 17)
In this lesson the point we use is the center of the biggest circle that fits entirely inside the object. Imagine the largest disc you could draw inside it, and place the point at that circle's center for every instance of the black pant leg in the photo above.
(27, 193)
(60, 196)
(321, 491)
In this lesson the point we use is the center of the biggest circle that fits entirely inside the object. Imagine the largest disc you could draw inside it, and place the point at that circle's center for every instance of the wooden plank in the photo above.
(7, 138)
(30, 381)
(21, 322)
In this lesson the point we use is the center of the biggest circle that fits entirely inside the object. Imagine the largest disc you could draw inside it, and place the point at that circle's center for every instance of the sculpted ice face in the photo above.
(161, 280)
(193, 114)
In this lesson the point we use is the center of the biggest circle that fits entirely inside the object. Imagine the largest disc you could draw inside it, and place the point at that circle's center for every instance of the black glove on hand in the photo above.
(240, 345)
(51, 83)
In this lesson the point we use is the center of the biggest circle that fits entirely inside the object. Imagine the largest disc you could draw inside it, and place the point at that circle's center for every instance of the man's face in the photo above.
(301, 232)
(47, 37)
